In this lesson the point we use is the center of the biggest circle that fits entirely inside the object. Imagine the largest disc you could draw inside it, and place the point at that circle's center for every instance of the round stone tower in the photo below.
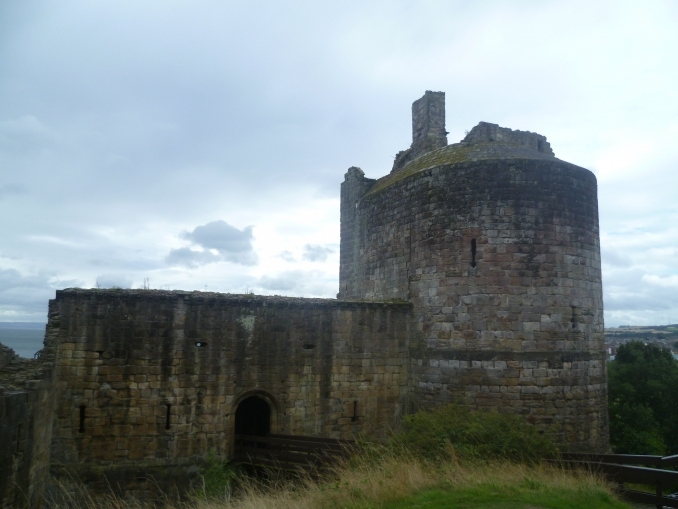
(495, 241)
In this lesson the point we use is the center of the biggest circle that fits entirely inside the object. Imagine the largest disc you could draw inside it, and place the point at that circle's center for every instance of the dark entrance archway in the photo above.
(253, 417)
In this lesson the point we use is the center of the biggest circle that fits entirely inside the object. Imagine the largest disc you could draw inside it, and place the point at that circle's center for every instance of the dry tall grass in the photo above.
(375, 481)
(393, 479)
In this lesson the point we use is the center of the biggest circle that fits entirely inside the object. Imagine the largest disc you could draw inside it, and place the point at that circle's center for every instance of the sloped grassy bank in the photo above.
(398, 483)
(449, 457)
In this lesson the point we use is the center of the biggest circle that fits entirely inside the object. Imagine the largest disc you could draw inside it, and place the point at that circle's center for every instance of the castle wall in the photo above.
(516, 328)
(126, 355)
(469, 274)
(27, 396)
(7, 355)
(352, 190)
(25, 435)
(485, 132)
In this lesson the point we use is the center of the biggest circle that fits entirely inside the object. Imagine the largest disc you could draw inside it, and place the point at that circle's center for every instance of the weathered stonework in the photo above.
(428, 128)
(496, 244)
(27, 397)
(470, 273)
(130, 359)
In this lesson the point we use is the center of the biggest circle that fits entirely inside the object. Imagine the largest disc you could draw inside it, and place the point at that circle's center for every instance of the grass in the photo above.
(403, 481)
(449, 457)
(397, 482)
(498, 499)
(472, 435)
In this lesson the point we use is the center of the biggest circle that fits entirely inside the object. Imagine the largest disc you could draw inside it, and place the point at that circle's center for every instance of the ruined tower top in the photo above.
(428, 123)
(428, 127)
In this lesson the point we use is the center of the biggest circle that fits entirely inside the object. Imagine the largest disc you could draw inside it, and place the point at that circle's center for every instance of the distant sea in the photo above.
(25, 338)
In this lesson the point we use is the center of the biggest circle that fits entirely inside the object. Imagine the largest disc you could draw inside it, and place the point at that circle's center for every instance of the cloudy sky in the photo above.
(200, 145)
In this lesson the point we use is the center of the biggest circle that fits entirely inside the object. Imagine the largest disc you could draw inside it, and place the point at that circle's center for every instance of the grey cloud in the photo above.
(25, 125)
(613, 258)
(25, 298)
(632, 296)
(642, 301)
(287, 256)
(10, 278)
(24, 133)
(284, 282)
(316, 253)
(156, 128)
(627, 291)
(230, 243)
(114, 281)
(221, 236)
(11, 189)
(190, 257)
(298, 283)
(233, 244)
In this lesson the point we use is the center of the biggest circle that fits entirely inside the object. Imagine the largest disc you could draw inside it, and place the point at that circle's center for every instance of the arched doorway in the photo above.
(253, 417)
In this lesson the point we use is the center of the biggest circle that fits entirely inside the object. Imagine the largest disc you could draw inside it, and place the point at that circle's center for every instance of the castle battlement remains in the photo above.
(469, 273)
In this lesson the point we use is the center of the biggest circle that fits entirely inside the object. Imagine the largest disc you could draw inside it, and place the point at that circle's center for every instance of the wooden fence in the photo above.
(290, 452)
(635, 469)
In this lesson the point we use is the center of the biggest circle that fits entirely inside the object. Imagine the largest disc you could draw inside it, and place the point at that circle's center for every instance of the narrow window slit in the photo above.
(167, 419)
(82, 419)
(355, 412)
(574, 317)
(473, 252)
(19, 437)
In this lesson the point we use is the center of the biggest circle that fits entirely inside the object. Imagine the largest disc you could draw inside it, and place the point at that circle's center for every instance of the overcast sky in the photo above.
(201, 144)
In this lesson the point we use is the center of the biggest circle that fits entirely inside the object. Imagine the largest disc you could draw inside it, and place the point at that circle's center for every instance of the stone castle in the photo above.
(470, 273)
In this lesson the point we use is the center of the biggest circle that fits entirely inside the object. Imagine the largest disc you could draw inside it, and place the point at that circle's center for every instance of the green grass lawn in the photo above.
(487, 497)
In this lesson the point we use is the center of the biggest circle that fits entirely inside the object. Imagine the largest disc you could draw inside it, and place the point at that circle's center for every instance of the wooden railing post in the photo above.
(656, 470)
(660, 504)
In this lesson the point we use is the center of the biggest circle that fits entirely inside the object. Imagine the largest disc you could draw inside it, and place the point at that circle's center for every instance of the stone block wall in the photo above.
(428, 123)
(353, 189)
(486, 132)
(128, 360)
(25, 436)
(428, 128)
(7, 355)
(471, 273)
(27, 396)
(501, 260)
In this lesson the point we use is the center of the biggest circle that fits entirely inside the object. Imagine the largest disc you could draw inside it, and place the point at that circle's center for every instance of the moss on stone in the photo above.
(455, 154)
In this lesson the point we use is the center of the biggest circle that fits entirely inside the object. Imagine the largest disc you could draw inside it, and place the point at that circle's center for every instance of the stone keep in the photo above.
(470, 273)
(495, 241)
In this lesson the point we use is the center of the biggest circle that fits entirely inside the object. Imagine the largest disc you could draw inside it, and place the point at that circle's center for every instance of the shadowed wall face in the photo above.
(27, 399)
(150, 382)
